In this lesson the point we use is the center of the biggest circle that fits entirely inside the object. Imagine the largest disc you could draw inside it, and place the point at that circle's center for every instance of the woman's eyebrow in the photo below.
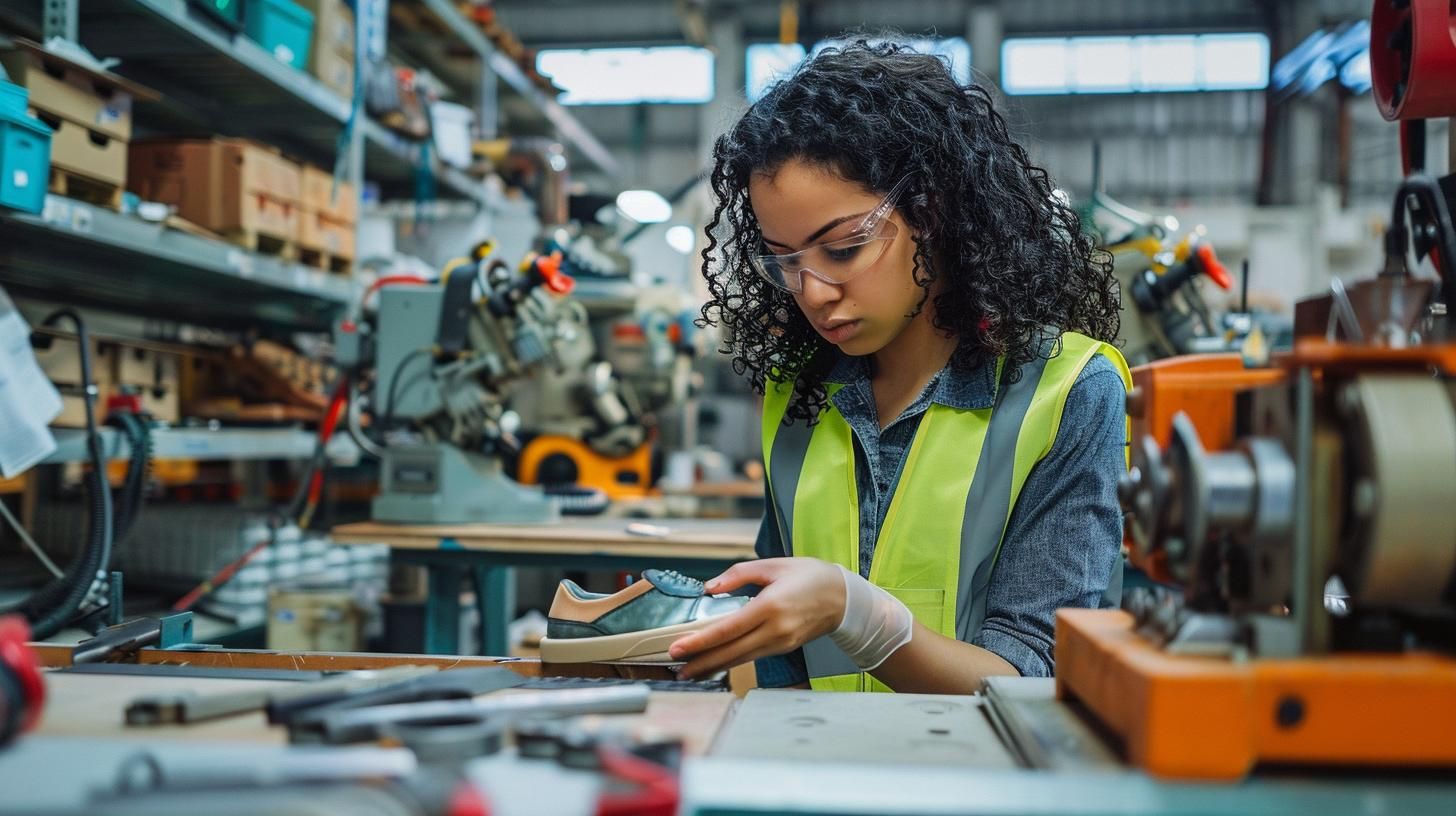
(819, 232)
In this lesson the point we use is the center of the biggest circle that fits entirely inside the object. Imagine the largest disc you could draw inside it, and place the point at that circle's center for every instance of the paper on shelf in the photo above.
(28, 401)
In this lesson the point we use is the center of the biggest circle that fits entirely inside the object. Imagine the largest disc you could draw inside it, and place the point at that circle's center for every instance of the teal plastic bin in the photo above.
(12, 98)
(283, 28)
(25, 154)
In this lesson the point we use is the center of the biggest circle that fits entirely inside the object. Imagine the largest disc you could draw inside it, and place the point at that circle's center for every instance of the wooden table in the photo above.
(488, 553)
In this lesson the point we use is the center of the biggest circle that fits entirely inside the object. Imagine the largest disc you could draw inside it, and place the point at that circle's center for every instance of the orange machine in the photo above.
(1347, 469)
(566, 460)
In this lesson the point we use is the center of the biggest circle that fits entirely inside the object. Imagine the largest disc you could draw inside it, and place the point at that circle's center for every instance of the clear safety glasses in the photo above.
(838, 261)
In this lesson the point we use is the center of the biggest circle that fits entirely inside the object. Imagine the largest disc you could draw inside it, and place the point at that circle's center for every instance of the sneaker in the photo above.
(636, 625)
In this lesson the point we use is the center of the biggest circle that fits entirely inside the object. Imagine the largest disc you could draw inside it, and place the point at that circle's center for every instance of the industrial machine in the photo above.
(1164, 312)
(1304, 516)
(448, 357)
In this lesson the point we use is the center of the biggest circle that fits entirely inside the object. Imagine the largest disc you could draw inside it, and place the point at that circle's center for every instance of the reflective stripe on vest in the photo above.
(943, 529)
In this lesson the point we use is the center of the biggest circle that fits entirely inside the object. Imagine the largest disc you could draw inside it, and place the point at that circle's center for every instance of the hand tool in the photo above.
(190, 706)
(359, 725)
(164, 633)
(304, 713)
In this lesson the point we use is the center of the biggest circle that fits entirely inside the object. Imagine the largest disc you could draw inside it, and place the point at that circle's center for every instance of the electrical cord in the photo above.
(354, 424)
(55, 605)
(390, 392)
(320, 462)
(139, 440)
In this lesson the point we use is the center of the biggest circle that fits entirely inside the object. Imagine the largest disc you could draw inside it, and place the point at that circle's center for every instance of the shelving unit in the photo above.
(81, 253)
(230, 444)
(215, 80)
(557, 117)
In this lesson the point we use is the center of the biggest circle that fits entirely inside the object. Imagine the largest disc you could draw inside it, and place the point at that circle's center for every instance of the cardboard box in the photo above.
(224, 185)
(320, 233)
(336, 72)
(99, 100)
(145, 368)
(333, 28)
(61, 361)
(318, 196)
(78, 149)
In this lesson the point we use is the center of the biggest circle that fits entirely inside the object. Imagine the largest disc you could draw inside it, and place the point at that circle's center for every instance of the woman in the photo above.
(943, 421)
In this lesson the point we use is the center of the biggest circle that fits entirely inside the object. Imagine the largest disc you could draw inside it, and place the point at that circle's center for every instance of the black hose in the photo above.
(54, 606)
(390, 392)
(139, 440)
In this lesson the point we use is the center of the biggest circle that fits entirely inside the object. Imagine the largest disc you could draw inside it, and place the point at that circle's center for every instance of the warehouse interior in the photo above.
(406, 407)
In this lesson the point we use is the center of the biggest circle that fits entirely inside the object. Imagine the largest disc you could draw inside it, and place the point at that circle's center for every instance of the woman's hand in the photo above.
(801, 599)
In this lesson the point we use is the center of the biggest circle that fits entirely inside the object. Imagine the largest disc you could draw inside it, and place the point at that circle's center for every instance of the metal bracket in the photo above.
(176, 630)
(61, 19)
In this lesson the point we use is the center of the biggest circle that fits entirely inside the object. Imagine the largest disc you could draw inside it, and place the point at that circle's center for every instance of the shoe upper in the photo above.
(661, 598)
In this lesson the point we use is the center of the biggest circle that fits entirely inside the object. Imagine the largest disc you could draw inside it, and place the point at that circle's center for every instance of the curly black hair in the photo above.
(1018, 268)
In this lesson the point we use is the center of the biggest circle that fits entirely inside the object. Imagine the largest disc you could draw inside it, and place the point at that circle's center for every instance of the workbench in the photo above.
(775, 752)
(82, 740)
(487, 553)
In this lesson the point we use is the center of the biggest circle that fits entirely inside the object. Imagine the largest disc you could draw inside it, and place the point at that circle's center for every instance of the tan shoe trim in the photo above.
(568, 607)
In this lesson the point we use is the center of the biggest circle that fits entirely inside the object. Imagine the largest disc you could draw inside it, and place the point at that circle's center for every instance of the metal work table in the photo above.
(488, 552)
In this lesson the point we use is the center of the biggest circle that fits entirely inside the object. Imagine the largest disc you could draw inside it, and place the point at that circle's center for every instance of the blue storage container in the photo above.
(25, 154)
(283, 28)
(12, 98)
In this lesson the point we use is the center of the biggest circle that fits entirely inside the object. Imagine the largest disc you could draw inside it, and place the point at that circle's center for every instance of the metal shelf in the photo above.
(214, 80)
(393, 160)
(79, 252)
(511, 74)
(221, 444)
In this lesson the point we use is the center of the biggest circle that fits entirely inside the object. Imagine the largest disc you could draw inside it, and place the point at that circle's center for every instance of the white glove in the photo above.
(875, 623)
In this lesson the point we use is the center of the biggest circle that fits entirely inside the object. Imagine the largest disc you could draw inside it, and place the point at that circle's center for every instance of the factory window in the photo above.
(767, 63)
(628, 76)
(1153, 63)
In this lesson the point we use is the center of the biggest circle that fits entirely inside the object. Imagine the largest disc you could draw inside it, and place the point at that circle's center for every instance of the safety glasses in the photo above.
(839, 261)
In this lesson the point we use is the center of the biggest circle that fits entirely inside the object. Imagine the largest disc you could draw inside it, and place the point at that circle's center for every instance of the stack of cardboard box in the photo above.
(327, 223)
(89, 111)
(331, 58)
(246, 192)
(148, 375)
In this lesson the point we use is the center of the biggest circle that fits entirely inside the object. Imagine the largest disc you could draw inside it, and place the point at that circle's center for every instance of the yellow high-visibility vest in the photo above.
(943, 530)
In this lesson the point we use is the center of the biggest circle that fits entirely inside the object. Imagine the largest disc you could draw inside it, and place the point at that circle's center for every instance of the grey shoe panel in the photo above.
(650, 611)
(558, 629)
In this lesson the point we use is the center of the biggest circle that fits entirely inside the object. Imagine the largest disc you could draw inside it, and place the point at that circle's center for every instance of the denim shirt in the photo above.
(1064, 536)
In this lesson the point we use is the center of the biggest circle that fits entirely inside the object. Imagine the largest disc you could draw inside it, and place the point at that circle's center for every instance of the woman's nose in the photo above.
(816, 292)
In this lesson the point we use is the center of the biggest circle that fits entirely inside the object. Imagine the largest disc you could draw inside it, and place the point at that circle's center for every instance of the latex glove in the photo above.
(875, 622)
(801, 599)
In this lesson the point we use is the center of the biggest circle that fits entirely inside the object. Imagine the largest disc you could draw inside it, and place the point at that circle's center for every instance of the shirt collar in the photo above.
(965, 389)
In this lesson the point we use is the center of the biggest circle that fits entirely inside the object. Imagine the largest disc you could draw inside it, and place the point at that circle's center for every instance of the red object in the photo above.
(656, 792)
(18, 658)
(549, 266)
(1413, 58)
(1213, 267)
(122, 403)
(467, 800)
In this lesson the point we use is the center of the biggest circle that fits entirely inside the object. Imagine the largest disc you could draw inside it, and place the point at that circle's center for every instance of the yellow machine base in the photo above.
(625, 477)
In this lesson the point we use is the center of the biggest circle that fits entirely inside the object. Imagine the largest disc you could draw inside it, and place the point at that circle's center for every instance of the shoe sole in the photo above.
(648, 646)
